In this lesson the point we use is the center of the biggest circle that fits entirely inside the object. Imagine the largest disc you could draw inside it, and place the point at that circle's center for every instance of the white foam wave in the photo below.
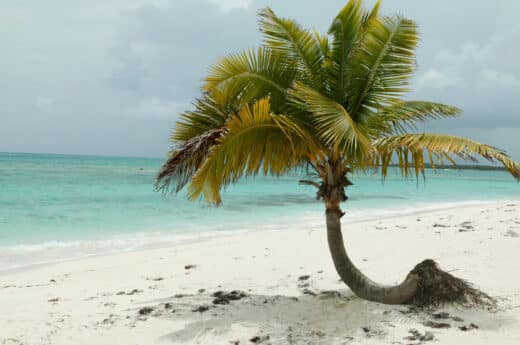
(27, 255)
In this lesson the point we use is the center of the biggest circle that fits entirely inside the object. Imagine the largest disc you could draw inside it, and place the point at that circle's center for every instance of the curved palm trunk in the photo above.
(360, 284)
(425, 285)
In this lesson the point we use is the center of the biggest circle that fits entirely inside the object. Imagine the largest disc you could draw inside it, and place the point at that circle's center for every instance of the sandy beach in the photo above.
(250, 172)
(287, 291)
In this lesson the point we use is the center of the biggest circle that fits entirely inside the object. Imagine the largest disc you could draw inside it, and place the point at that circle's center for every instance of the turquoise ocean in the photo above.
(58, 207)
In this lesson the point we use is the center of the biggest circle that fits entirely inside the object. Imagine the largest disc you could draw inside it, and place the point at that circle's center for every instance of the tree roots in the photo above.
(437, 287)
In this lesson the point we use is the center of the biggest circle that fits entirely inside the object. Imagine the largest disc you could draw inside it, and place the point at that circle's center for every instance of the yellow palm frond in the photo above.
(255, 141)
(402, 114)
(412, 148)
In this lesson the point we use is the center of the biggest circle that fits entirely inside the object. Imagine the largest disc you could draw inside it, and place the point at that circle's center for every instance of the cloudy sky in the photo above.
(111, 76)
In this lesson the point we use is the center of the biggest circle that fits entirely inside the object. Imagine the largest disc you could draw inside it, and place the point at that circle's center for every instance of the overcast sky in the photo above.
(110, 77)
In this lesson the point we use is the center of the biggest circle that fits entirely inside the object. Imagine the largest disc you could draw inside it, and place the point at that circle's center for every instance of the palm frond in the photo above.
(287, 37)
(332, 122)
(324, 44)
(252, 75)
(412, 148)
(195, 133)
(405, 114)
(380, 71)
(368, 16)
(255, 141)
(345, 30)
(185, 160)
(209, 114)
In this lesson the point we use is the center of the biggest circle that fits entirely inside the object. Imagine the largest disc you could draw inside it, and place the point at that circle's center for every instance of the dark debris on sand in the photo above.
(433, 324)
(445, 316)
(221, 297)
(133, 292)
(201, 309)
(309, 292)
(145, 310)
(259, 340)
(416, 335)
(441, 315)
(466, 226)
(469, 327)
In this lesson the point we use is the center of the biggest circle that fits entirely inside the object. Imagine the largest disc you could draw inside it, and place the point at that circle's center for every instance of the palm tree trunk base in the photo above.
(436, 287)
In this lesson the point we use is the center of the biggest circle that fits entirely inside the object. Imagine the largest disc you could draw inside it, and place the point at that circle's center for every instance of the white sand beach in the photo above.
(292, 292)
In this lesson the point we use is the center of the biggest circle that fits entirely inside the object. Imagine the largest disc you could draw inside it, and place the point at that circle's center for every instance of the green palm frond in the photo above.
(371, 15)
(255, 141)
(412, 148)
(332, 122)
(287, 37)
(380, 72)
(405, 114)
(251, 75)
(209, 114)
(324, 44)
(345, 30)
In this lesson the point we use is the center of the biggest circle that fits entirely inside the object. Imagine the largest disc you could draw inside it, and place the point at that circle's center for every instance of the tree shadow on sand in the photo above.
(325, 318)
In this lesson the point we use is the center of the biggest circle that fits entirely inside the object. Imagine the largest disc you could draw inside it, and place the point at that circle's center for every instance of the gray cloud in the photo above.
(110, 77)
(164, 51)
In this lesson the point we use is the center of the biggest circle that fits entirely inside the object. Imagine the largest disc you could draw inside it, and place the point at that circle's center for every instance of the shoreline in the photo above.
(167, 240)
(287, 289)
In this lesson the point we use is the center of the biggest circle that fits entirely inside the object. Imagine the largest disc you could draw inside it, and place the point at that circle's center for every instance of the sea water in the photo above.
(57, 207)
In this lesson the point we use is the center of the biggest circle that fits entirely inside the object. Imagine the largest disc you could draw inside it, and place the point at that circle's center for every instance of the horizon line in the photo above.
(462, 165)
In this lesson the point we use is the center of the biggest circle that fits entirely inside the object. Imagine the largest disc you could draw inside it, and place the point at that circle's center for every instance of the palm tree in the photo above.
(330, 103)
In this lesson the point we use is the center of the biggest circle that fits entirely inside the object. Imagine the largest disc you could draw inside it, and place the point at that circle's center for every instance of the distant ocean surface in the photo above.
(56, 207)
